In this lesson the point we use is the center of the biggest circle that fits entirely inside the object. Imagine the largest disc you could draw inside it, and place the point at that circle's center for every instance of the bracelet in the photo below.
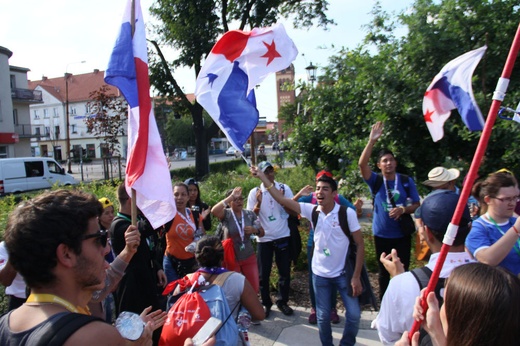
(404, 209)
(225, 203)
(516, 231)
(267, 188)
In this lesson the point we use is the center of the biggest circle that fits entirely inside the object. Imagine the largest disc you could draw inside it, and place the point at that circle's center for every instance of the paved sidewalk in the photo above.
(280, 330)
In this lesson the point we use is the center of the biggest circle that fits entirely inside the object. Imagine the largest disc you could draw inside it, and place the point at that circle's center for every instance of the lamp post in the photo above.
(311, 73)
(67, 120)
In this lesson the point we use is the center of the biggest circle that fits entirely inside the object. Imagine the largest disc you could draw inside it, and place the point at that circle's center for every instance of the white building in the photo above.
(50, 116)
(16, 130)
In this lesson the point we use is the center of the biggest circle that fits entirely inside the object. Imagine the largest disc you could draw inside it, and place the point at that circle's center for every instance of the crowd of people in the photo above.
(67, 253)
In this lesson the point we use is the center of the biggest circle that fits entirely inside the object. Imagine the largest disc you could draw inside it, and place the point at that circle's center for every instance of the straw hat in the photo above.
(440, 176)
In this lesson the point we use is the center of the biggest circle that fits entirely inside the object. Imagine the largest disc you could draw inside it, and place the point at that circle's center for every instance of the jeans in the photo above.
(265, 251)
(333, 291)
(171, 273)
(323, 287)
(403, 247)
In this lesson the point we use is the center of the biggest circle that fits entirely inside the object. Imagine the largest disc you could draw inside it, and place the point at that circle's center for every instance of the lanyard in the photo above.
(240, 226)
(51, 298)
(389, 194)
(124, 217)
(188, 220)
(500, 230)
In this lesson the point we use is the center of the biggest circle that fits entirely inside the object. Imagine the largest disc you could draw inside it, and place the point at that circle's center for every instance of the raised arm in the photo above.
(277, 195)
(218, 209)
(375, 133)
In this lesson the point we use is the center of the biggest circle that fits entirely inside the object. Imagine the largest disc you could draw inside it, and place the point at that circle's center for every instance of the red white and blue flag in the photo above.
(451, 88)
(237, 63)
(146, 166)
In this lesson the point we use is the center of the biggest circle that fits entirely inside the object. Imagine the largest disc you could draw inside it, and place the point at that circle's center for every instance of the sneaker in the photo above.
(312, 317)
(334, 318)
(285, 309)
(267, 311)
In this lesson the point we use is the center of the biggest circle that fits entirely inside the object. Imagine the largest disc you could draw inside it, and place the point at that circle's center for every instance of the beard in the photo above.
(88, 275)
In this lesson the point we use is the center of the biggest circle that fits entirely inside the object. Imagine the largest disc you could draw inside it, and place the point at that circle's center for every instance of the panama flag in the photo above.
(146, 166)
(451, 89)
(236, 64)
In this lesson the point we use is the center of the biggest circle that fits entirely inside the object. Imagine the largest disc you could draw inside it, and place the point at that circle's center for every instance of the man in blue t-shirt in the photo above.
(391, 201)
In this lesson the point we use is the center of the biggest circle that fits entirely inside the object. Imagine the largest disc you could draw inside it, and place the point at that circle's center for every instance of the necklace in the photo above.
(54, 299)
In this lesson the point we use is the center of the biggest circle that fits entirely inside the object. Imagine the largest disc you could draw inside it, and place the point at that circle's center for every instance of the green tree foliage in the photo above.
(110, 114)
(192, 28)
(385, 79)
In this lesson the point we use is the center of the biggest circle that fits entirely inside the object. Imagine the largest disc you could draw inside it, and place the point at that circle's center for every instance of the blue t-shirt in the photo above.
(383, 226)
(483, 234)
(309, 199)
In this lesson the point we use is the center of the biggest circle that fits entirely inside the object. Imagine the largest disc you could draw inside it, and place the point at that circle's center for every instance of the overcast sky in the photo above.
(51, 37)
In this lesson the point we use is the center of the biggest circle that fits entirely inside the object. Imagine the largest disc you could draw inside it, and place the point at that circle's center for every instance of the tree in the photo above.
(109, 114)
(385, 79)
(192, 28)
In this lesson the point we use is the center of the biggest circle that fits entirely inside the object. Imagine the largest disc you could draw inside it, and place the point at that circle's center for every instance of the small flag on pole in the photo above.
(451, 88)
(237, 63)
(147, 168)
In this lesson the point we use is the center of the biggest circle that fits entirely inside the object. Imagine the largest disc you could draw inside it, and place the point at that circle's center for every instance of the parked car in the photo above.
(247, 151)
(31, 173)
(180, 154)
(230, 151)
(274, 146)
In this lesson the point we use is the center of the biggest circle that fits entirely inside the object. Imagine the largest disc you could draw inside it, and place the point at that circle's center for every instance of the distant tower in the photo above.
(285, 92)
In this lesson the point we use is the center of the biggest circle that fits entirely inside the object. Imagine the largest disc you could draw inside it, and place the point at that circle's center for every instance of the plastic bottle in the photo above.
(243, 323)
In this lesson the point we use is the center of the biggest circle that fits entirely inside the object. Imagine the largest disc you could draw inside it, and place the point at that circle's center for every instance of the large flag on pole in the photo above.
(237, 63)
(451, 88)
(146, 167)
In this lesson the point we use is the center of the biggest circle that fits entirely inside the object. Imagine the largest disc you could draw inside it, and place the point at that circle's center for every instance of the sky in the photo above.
(52, 37)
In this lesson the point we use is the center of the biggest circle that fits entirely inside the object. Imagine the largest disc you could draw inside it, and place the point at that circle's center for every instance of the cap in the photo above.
(105, 202)
(437, 210)
(190, 181)
(440, 176)
(264, 165)
(322, 173)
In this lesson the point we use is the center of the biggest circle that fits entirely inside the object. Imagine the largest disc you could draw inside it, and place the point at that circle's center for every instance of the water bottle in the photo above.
(243, 323)
(256, 225)
(196, 236)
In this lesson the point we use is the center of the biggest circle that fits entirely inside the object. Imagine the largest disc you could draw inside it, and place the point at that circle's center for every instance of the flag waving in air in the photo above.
(450, 89)
(236, 64)
(146, 167)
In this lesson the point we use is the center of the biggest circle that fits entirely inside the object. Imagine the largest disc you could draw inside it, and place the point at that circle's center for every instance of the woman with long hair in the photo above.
(196, 204)
(495, 236)
(240, 224)
(480, 308)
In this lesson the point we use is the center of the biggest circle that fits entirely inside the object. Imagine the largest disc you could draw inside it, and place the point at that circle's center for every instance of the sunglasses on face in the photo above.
(101, 237)
(238, 199)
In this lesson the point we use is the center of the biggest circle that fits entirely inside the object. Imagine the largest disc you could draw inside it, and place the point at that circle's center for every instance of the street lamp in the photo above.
(67, 121)
(311, 73)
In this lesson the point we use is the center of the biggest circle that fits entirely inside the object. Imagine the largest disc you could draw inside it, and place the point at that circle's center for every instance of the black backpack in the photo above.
(422, 275)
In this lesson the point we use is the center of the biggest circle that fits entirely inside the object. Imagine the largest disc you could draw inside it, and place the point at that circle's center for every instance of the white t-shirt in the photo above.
(272, 215)
(330, 242)
(17, 287)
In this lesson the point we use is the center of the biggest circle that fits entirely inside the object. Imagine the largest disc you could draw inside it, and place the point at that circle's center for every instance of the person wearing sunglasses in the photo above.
(239, 225)
(495, 237)
(54, 242)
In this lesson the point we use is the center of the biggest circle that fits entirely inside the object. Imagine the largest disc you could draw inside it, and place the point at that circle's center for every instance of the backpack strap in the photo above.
(342, 218)
(221, 278)
(379, 183)
(422, 275)
(65, 326)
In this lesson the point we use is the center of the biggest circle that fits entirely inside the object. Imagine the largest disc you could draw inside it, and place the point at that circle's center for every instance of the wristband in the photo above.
(404, 209)
(516, 231)
(225, 203)
(267, 188)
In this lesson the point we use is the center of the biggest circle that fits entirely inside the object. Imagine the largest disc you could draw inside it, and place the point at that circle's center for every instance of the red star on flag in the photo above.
(428, 116)
(271, 52)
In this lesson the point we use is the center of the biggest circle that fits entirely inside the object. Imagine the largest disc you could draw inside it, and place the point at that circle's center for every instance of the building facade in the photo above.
(57, 129)
(16, 97)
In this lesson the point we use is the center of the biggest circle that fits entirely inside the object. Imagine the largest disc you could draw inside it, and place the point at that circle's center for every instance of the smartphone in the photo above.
(207, 331)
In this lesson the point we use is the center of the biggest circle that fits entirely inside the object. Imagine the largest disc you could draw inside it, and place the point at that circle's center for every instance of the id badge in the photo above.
(272, 218)
(326, 252)
(242, 247)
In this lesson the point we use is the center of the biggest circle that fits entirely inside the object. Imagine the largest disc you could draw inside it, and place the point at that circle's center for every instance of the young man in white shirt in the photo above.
(330, 252)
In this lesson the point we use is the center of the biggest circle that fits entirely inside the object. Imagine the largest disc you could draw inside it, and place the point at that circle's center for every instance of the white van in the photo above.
(31, 173)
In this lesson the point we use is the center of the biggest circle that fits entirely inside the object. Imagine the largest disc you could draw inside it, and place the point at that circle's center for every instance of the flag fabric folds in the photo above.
(147, 169)
(236, 64)
(451, 88)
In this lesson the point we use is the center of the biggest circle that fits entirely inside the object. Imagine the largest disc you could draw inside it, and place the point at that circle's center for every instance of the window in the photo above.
(34, 168)
(73, 128)
(56, 112)
(3, 152)
(91, 150)
(36, 114)
(13, 81)
(87, 108)
(56, 132)
(72, 111)
(47, 131)
(44, 150)
(45, 114)
(53, 167)
(15, 116)
(37, 131)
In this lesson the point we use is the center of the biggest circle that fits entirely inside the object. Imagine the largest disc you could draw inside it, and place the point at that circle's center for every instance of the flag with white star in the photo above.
(451, 88)
(236, 64)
